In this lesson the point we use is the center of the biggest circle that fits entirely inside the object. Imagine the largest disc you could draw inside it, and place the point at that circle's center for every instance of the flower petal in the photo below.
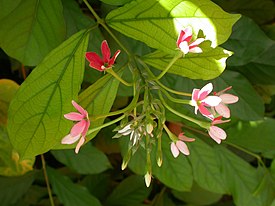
(125, 130)
(217, 134)
(106, 53)
(79, 144)
(195, 50)
(223, 110)
(184, 47)
(184, 35)
(182, 147)
(212, 101)
(78, 128)
(113, 59)
(229, 98)
(196, 42)
(69, 139)
(182, 137)
(205, 111)
(74, 116)
(87, 125)
(195, 94)
(174, 150)
(80, 109)
(95, 61)
(205, 91)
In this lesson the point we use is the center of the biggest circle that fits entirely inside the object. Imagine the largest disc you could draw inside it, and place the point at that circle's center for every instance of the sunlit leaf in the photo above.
(89, 160)
(36, 122)
(206, 65)
(29, 30)
(157, 23)
(7, 92)
(68, 193)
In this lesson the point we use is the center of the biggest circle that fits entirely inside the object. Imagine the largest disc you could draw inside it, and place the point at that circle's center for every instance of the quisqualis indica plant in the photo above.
(142, 91)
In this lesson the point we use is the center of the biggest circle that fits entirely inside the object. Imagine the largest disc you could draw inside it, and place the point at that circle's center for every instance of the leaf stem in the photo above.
(176, 57)
(102, 23)
(114, 74)
(47, 179)
(202, 124)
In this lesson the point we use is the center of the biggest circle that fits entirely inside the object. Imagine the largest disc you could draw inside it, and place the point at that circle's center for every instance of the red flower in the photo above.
(106, 61)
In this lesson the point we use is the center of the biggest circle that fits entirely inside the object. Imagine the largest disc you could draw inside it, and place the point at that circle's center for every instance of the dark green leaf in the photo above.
(68, 193)
(255, 136)
(89, 160)
(206, 65)
(205, 167)
(242, 179)
(115, 2)
(13, 188)
(29, 30)
(157, 23)
(36, 122)
(253, 52)
(131, 191)
(250, 105)
(260, 11)
(205, 197)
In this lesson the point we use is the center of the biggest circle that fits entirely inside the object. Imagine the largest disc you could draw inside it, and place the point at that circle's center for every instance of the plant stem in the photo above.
(102, 23)
(180, 101)
(179, 55)
(106, 124)
(47, 179)
(202, 124)
(159, 83)
(129, 107)
(112, 72)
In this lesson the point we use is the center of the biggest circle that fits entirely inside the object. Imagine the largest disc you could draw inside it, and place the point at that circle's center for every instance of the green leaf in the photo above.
(7, 92)
(13, 188)
(206, 65)
(36, 122)
(10, 164)
(89, 160)
(260, 11)
(171, 173)
(242, 179)
(205, 167)
(131, 191)
(75, 19)
(68, 193)
(206, 197)
(255, 136)
(253, 52)
(31, 29)
(250, 105)
(99, 98)
(176, 173)
(157, 23)
(115, 2)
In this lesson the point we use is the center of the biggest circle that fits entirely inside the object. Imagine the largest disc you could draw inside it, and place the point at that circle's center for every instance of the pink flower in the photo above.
(106, 61)
(79, 130)
(180, 146)
(184, 44)
(222, 108)
(216, 133)
(201, 100)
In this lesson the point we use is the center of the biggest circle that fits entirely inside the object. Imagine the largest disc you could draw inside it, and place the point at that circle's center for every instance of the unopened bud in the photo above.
(149, 128)
(148, 178)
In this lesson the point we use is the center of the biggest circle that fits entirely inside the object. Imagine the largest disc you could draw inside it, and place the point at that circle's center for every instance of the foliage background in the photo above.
(240, 171)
